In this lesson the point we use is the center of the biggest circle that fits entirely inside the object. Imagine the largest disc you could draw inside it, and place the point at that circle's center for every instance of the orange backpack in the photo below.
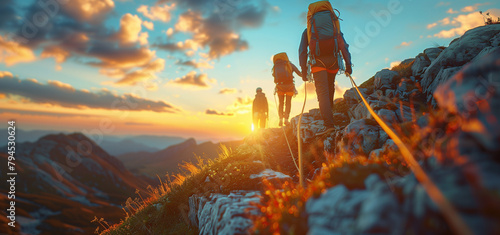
(282, 70)
(323, 28)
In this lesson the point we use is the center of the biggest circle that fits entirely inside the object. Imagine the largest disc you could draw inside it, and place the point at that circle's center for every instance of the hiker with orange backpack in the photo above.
(285, 87)
(260, 109)
(327, 47)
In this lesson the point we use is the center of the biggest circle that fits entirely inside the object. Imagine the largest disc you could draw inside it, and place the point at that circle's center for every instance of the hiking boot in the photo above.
(287, 122)
(326, 131)
(281, 123)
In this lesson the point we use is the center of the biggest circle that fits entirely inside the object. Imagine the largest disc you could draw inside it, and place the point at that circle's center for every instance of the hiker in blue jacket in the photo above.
(325, 41)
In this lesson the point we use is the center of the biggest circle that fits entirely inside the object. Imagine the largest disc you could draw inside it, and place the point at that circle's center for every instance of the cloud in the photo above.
(228, 91)
(89, 10)
(462, 23)
(404, 44)
(157, 12)
(213, 33)
(78, 32)
(193, 79)
(194, 64)
(170, 32)
(311, 91)
(7, 13)
(130, 30)
(61, 94)
(42, 113)
(5, 74)
(148, 25)
(451, 11)
(440, 4)
(241, 105)
(59, 54)
(137, 124)
(394, 64)
(430, 26)
(145, 73)
(12, 52)
(120, 58)
(473, 7)
(215, 112)
(217, 31)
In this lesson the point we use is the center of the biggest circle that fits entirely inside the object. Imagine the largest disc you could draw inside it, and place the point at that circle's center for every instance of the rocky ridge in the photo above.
(459, 81)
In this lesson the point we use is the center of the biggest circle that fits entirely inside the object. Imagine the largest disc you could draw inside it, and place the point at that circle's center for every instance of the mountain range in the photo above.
(114, 145)
(168, 159)
(65, 180)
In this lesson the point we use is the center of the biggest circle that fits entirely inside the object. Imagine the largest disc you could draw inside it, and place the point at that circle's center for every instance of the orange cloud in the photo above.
(311, 91)
(12, 52)
(404, 44)
(5, 74)
(473, 7)
(125, 58)
(241, 105)
(430, 26)
(228, 91)
(213, 33)
(59, 54)
(194, 80)
(130, 30)
(394, 64)
(147, 72)
(149, 25)
(462, 23)
(161, 13)
(217, 113)
(194, 64)
(89, 10)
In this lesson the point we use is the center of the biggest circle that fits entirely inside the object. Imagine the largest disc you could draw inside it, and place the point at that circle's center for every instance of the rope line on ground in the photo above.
(449, 211)
(286, 138)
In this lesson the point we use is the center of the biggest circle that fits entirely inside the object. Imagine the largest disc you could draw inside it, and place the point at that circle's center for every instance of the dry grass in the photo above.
(404, 70)
(283, 209)
(164, 209)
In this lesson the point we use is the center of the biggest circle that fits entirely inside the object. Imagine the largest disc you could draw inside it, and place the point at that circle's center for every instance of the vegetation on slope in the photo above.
(163, 210)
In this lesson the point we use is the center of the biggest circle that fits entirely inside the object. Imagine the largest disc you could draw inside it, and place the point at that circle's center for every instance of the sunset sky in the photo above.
(189, 68)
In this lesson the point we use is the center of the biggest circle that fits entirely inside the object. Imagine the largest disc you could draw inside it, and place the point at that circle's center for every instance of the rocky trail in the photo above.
(444, 104)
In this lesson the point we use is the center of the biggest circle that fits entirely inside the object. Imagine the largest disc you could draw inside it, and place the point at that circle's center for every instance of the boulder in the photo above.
(388, 116)
(361, 137)
(380, 211)
(460, 52)
(384, 78)
(335, 211)
(403, 113)
(224, 214)
(474, 95)
(443, 75)
(433, 53)
(360, 111)
(311, 124)
(420, 65)
(351, 96)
